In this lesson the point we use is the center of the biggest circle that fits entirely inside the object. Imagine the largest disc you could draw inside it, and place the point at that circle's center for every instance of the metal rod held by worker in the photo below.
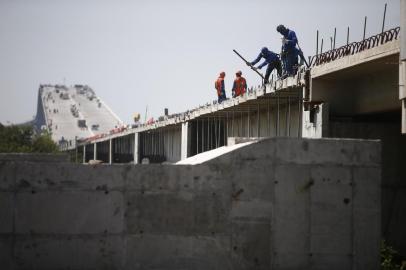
(301, 55)
(384, 15)
(249, 64)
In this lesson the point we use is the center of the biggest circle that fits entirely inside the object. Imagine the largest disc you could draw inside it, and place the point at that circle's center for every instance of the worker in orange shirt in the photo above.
(219, 85)
(240, 85)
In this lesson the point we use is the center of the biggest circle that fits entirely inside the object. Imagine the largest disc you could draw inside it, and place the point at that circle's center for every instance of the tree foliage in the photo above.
(22, 139)
(390, 259)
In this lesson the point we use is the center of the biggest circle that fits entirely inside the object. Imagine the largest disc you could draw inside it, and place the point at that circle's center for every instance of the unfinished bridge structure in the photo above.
(354, 91)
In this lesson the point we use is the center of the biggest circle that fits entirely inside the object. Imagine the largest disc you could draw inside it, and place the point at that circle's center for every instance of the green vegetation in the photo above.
(390, 259)
(22, 139)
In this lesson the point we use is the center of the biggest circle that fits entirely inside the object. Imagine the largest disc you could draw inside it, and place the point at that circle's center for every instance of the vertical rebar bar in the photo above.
(217, 131)
(286, 117)
(383, 21)
(299, 122)
(289, 116)
(258, 122)
(317, 42)
(226, 133)
(249, 123)
(348, 34)
(208, 134)
(321, 47)
(240, 134)
(202, 135)
(232, 126)
(365, 27)
(269, 118)
(277, 118)
(334, 42)
(331, 43)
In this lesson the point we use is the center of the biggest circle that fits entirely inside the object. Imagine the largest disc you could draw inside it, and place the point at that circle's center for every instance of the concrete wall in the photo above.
(281, 204)
(387, 129)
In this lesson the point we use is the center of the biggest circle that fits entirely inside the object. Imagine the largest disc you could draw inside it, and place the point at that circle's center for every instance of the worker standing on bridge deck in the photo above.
(271, 59)
(240, 85)
(289, 53)
(219, 85)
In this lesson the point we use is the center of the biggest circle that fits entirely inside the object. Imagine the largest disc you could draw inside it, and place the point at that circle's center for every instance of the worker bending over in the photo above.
(271, 59)
(240, 85)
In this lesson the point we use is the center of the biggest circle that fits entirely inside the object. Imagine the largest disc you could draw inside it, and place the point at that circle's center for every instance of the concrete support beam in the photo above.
(403, 30)
(84, 153)
(402, 67)
(184, 141)
(95, 151)
(402, 92)
(136, 152)
(315, 121)
(111, 151)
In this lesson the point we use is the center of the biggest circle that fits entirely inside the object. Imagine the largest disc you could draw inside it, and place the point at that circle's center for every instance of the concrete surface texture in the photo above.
(281, 203)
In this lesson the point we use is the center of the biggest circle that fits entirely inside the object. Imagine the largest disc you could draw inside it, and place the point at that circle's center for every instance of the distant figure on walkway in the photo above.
(271, 59)
(219, 85)
(240, 85)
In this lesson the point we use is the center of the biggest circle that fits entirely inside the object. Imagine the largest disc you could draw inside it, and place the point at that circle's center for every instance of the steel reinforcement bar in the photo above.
(355, 47)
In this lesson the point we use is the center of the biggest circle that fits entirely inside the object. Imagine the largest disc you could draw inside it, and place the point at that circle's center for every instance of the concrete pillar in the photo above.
(84, 153)
(320, 126)
(184, 141)
(95, 151)
(136, 143)
(402, 92)
(402, 67)
(110, 151)
(403, 30)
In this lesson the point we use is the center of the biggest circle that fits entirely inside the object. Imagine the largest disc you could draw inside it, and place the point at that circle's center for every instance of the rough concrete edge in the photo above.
(34, 157)
(225, 158)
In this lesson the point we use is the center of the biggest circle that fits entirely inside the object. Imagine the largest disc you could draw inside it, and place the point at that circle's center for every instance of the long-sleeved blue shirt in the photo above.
(291, 41)
(269, 57)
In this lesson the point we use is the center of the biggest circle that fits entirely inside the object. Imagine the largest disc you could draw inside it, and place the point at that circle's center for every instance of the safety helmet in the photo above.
(281, 28)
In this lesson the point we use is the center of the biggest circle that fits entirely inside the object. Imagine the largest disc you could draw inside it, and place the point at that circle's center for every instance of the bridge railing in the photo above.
(355, 47)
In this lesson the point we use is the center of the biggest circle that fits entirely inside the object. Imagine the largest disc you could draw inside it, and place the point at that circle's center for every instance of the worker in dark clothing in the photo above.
(289, 51)
(271, 59)
(240, 85)
(219, 85)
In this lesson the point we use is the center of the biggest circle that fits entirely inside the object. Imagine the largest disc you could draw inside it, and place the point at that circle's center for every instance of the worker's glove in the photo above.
(248, 63)
(258, 67)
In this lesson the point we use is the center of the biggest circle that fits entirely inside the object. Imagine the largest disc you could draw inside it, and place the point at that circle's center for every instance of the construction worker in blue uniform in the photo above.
(271, 59)
(219, 85)
(290, 53)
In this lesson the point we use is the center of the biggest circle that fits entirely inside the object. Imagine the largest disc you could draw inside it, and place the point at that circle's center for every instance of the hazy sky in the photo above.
(157, 53)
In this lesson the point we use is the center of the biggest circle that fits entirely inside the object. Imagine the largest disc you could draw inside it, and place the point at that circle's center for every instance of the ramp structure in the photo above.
(71, 113)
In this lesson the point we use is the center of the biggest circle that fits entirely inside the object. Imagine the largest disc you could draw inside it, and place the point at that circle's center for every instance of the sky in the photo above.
(158, 54)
